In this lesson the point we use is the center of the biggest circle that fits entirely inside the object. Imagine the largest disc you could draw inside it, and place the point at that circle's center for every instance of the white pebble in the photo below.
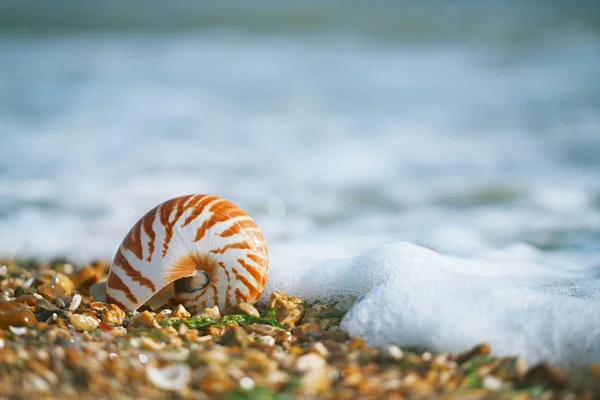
(266, 340)
(75, 302)
(246, 383)
(393, 352)
(18, 331)
(3, 270)
(309, 361)
(173, 378)
(492, 383)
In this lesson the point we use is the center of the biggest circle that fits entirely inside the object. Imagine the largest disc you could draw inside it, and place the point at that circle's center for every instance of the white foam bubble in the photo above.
(410, 295)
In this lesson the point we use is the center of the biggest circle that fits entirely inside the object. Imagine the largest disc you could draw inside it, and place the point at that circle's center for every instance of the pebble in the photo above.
(180, 312)
(391, 352)
(84, 322)
(112, 315)
(51, 292)
(75, 302)
(482, 349)
(308, 332)
(510, 368)
(172, 378)
(492, 383)
(309, 361)
(86, 277)
(209, 313)
(235, 336)
(15, 314)
(144, 320)
(547, 375)
(244, 308)
(289, 310)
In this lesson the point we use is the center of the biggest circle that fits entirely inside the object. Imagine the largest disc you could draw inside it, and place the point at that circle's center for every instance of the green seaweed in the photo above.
(256, 393)
(293, 383)
(19, 291)
(206, 322)
(471, 367)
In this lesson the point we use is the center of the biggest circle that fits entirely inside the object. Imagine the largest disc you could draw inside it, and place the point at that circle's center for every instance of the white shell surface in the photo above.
(182, 236)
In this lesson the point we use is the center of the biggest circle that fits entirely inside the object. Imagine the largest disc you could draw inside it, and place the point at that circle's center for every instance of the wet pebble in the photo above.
(15, 314)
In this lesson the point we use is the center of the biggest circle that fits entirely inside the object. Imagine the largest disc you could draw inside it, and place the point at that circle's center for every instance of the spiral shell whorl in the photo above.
(187, 240)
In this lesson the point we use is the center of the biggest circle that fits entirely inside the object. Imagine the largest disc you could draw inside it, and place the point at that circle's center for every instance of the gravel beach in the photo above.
(57, 342)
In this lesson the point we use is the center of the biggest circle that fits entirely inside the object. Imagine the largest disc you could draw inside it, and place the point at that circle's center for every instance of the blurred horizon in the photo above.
(431, 20)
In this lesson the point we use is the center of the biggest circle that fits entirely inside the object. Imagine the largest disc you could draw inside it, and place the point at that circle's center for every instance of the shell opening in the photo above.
(193, 283)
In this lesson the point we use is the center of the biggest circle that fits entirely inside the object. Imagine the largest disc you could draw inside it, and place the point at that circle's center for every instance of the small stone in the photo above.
(309, 361)
(75, 302)
(510, 369)
(492, 383)
(84, 322)
(171, 378)
(97, 305)
(547, 375)
(357, 343)
(288, 309)
(18, 331)
(391, 352)
(479, 350)
(235, 336)
(337, 351)
(246, 383)
(276, 379)
(113, 315)
(308, 332)
(15, 314)
(144, 320)
(28, 299)
(268, 341)
(51, 292)
(44, 310)
(315, 381)
(64, 281)
(209, 313)
(86, 278)
(149, 343)
(280, 335)
(244, 308)
(118, 331)
(313, 314)
(180, 312)
(320, 349)
(214, 380)
(216, 331)
(336, 336)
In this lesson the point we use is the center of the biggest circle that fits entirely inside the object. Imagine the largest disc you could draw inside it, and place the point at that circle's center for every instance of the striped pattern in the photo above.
(182, 236)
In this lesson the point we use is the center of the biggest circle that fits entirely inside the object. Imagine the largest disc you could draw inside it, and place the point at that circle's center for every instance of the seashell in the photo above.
(201, 249)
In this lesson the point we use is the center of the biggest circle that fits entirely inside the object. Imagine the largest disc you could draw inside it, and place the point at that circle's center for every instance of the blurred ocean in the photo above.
(472, 128)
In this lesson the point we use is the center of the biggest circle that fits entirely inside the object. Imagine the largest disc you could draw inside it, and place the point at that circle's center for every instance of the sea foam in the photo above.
(410, 295)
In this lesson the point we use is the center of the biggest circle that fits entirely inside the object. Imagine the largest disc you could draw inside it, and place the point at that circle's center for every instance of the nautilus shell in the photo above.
(203, 249)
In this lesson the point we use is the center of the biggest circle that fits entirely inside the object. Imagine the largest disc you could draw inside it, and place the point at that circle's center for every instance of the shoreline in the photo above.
(55, 341)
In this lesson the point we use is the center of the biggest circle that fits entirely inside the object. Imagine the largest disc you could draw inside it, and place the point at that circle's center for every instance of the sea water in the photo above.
(440, 163)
